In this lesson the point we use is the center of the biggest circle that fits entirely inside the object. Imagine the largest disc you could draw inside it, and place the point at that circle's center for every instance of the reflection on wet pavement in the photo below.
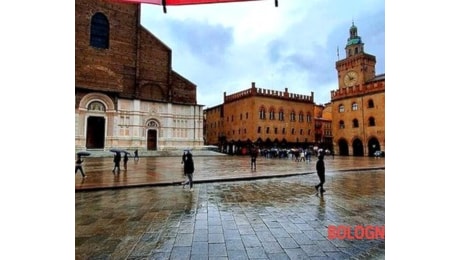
(277, 218)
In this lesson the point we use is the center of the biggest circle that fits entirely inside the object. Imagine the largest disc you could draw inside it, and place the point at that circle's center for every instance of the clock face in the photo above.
(351, 78)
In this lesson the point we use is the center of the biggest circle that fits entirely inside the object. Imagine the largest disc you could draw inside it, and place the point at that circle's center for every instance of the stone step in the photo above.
(164, 153)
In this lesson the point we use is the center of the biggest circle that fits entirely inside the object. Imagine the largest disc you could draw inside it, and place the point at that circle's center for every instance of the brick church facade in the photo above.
(126, 94)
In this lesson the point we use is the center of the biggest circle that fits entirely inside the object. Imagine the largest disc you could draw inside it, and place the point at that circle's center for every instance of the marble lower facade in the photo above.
(101, 124)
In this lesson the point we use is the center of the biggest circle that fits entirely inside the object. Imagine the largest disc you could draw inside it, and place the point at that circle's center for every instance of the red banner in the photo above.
(180, 2)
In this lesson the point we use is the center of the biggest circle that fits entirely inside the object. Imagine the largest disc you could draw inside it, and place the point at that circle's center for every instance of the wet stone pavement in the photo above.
(271, 218)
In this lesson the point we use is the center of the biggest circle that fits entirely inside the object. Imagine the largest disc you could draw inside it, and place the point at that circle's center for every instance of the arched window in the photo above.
(99, 37)
(370, 103)
(262, 113)
(354, 106)
(341, 108)
(371, 121)
(152, 124)
(281, 115)
(341, 124)
(308, 117)
(355, 123)
(96, 106)
(292, 116)
(272, 114)
(300, 116)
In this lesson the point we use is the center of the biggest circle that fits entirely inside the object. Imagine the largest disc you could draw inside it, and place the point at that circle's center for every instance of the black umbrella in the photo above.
(119, 151)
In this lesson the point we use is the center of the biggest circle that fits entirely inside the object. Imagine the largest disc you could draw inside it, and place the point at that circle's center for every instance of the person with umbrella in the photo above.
(189, 168)
(116, 161)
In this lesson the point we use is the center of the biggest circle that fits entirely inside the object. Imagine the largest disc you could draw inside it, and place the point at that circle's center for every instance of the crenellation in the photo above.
(358, 90)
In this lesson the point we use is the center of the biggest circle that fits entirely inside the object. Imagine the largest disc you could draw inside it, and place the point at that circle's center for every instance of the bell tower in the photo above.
(358, 67)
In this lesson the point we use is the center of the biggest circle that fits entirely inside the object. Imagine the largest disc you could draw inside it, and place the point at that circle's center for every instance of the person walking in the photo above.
(308, 156)
(136, 155)
(125, 161)
(189, 169)
(184, 157)
(302, 155)
(254, 153)
(79, 166)
(321, 170)
(116, 161)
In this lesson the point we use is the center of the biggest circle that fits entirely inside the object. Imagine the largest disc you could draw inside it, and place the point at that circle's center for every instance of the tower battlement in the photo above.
(371, 87)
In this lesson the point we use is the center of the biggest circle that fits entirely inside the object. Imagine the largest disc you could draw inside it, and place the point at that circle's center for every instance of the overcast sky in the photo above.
(224, 47)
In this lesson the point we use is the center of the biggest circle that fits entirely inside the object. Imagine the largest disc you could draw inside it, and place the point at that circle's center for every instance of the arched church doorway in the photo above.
(95, 132)
(152, 139)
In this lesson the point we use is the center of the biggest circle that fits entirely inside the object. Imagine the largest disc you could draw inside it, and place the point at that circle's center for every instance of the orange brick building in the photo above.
(323, 126)
(126, 93)
(267, 118)
(358, 105)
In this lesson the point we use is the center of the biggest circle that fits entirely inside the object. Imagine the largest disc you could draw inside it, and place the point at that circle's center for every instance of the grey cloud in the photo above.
(203, 40)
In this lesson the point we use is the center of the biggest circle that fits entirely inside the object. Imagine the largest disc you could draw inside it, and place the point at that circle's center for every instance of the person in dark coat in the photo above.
(184, 157)
(116, 161)
(189, 169)
(79, 166)
(136, 155)
(254, 153)
(321, 170)
(125, 161)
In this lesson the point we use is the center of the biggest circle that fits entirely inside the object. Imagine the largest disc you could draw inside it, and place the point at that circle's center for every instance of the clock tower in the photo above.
(358, 67)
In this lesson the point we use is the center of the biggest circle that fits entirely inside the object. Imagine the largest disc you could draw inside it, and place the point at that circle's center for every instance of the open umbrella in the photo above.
(114, 150)
(164, 3)
(83, 153)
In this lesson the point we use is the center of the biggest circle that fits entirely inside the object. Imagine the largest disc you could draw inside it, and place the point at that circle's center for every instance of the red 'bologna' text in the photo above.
(357, 232)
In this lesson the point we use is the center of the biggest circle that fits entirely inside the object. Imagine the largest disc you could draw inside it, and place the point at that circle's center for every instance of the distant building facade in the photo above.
(126, 93)
(266, 118)
(358, 105)
(323, 126)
